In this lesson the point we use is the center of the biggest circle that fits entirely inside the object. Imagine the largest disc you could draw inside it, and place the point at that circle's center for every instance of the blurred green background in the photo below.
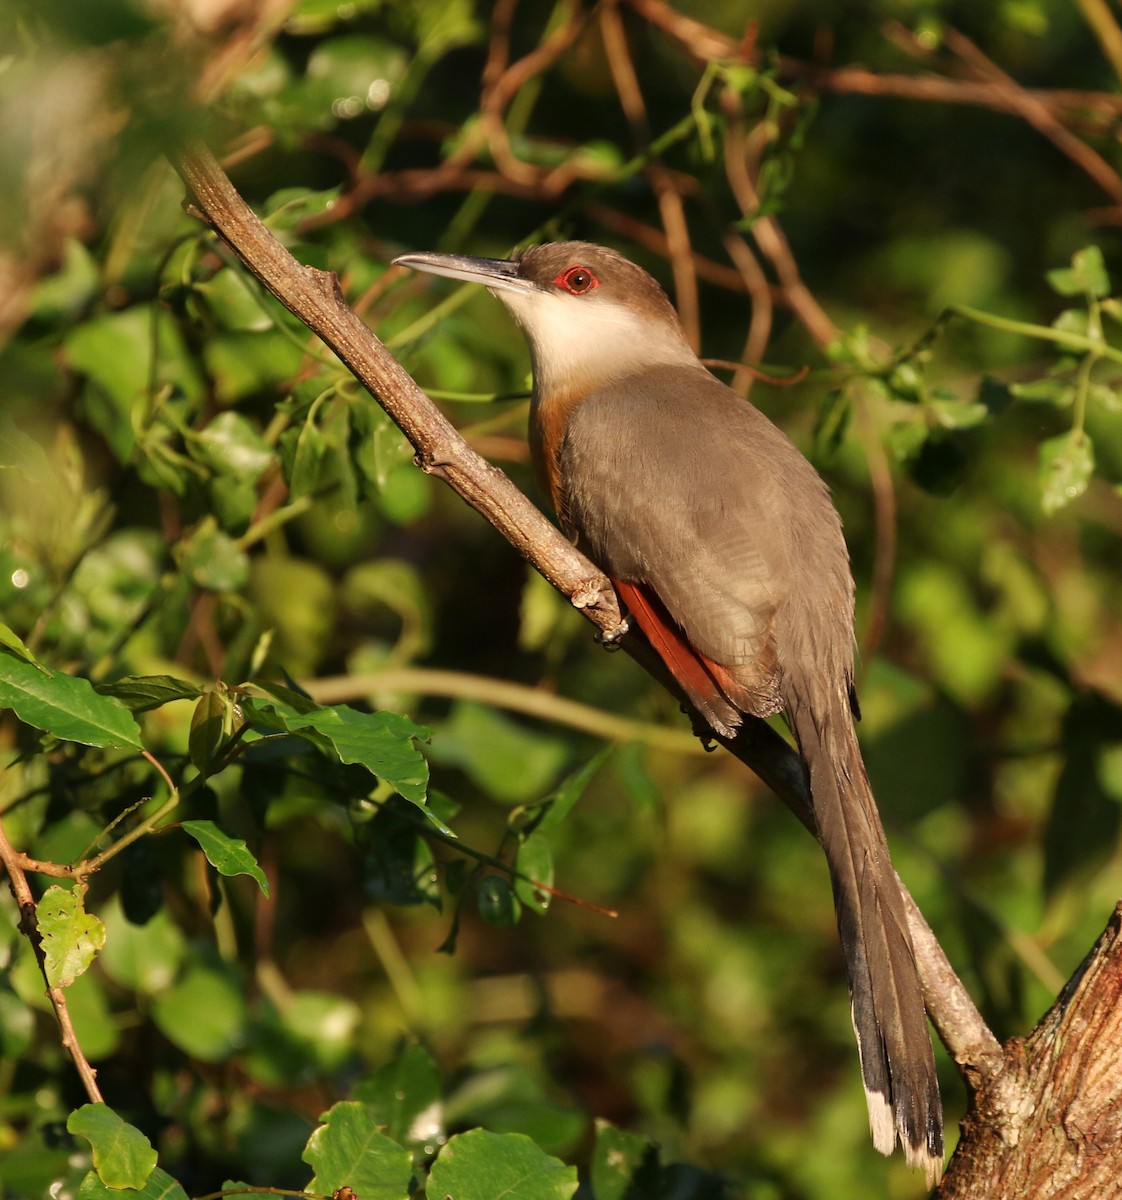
(192, 486)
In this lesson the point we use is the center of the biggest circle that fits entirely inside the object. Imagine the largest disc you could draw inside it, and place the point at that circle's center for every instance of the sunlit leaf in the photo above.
(204, 1014)
(122, 1156)
(213, 560)
(71, 936)
(231, 445)
(11, 640)
(1066, 465)
(622, 1164)
(159, 1186)
(227, 855)
(383, 742)
(404, 1097)
(143, 692)
(349, 1150)
(534, 864)
(480, 1165)
(65, 705)
(1086, 275)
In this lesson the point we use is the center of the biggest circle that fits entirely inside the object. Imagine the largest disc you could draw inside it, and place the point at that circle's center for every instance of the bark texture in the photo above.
(1048, 1124)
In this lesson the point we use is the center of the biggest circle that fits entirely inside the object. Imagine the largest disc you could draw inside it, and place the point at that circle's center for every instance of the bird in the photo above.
(726, 550)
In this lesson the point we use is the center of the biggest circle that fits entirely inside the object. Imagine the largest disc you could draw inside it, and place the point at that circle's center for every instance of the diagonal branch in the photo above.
(315, 298)
(29, 927)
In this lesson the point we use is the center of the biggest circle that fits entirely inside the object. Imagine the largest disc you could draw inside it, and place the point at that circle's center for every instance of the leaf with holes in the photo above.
(71, 936)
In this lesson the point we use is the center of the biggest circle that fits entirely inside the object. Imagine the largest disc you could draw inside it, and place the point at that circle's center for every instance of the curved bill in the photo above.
(499, 274)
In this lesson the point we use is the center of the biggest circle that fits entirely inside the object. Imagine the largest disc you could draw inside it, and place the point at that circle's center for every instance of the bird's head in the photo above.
(589, 314)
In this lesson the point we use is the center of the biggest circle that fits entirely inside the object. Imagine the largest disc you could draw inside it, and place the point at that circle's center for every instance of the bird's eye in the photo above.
(577, 280)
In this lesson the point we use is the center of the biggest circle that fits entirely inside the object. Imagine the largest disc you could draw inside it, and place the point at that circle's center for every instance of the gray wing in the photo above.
(678, 483)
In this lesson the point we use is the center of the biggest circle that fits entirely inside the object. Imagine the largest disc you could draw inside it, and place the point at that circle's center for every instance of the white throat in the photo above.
(578, 343)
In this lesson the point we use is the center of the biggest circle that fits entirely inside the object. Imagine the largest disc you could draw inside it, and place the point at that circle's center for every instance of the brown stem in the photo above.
(14, 863)
(315, 298)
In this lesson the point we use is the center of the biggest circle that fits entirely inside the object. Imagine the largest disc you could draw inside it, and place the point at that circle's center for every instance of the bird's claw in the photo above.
(701, 729)
(610, 638)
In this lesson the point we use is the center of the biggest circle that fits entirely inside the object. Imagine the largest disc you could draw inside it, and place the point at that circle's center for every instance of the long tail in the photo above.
(897, 1064)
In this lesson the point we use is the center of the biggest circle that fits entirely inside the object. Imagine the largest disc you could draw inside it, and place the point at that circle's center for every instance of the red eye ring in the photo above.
(576, 280)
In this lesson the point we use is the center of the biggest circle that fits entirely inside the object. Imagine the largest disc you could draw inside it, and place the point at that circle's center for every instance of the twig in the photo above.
(1103, 24)
(315, 298)
(1097, 111)
(516, 697)
(29, 927)
(670, 205)
(770, 238)
(1038, 115)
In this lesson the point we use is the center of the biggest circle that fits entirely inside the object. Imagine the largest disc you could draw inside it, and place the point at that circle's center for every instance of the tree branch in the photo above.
(1048, 1121)
(29, 927)
(315, 298)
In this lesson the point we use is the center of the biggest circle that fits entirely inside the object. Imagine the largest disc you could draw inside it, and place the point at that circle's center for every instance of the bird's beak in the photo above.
(498, 274)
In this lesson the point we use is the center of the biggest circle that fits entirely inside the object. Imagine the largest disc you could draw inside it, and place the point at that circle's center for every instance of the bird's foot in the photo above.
(610, 638)
(700, 728)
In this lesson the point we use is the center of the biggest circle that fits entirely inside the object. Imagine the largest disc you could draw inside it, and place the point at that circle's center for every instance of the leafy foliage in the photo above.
(255, 746)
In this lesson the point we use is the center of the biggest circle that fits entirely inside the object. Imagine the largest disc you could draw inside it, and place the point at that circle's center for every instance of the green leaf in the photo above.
(230, 445)
(398, 866)
(122, 1156)
(480, 1165)
(349, 1150)
(160, 1186)
(1086, 276)
(204, 1014)
(405, 1097)
(534, 864)
(143, 958)
(557, 806)
(65, 705)
(622, 1164)
(1045, 391)
(834, 419)
(234, 304)
(1106, 396)
(954, 414)
(302, 451)
(507, 760)
(496, 902)
(143, 692)
(212, 559)
(1066, 465)
(21, 452)
(288, 207)
(383, 742)
(233, 502)
(71, 936)
(227, 855)
(11, 640)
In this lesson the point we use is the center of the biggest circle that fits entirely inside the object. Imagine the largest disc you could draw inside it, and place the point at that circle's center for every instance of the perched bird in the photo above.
(725, 548)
